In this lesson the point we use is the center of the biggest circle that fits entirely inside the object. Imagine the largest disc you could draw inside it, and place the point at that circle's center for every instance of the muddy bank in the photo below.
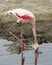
(43, 28)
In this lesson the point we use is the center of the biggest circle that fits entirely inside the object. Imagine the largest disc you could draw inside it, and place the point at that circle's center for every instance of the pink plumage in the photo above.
(22, 14)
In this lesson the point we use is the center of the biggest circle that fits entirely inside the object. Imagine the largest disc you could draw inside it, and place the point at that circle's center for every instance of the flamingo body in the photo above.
(22, 14)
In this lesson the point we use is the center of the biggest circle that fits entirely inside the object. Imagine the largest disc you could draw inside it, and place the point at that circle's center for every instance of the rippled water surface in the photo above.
(45, 58)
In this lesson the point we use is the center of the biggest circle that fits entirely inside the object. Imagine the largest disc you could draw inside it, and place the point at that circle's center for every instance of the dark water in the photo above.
(44, 58)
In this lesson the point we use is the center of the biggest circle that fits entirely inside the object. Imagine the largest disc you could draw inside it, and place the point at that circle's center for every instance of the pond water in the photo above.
(44, 58)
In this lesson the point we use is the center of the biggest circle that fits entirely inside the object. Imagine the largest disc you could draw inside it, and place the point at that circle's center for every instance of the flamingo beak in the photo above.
(6, 13)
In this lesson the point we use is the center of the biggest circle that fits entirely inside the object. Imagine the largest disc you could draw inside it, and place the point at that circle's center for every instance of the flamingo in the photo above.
(25, 16)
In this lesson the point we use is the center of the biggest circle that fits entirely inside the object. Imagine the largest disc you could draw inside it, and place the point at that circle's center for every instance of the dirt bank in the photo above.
(43, 28)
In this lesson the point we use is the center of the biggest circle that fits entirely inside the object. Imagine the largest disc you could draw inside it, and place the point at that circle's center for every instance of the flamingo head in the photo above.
(8, 13)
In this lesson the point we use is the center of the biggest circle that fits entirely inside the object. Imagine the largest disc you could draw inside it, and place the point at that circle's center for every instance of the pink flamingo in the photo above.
(25, 16)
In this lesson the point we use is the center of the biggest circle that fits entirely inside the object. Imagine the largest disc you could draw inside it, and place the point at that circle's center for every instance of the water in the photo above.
(15, 59)
(2, 48)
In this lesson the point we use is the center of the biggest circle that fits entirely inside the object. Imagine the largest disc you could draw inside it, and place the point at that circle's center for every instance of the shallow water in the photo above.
(15, 59)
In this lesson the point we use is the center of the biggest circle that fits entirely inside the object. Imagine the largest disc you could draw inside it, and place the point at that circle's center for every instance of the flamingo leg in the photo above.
(21, 32)
(23, 58)
(36, 45)
(36, 56)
